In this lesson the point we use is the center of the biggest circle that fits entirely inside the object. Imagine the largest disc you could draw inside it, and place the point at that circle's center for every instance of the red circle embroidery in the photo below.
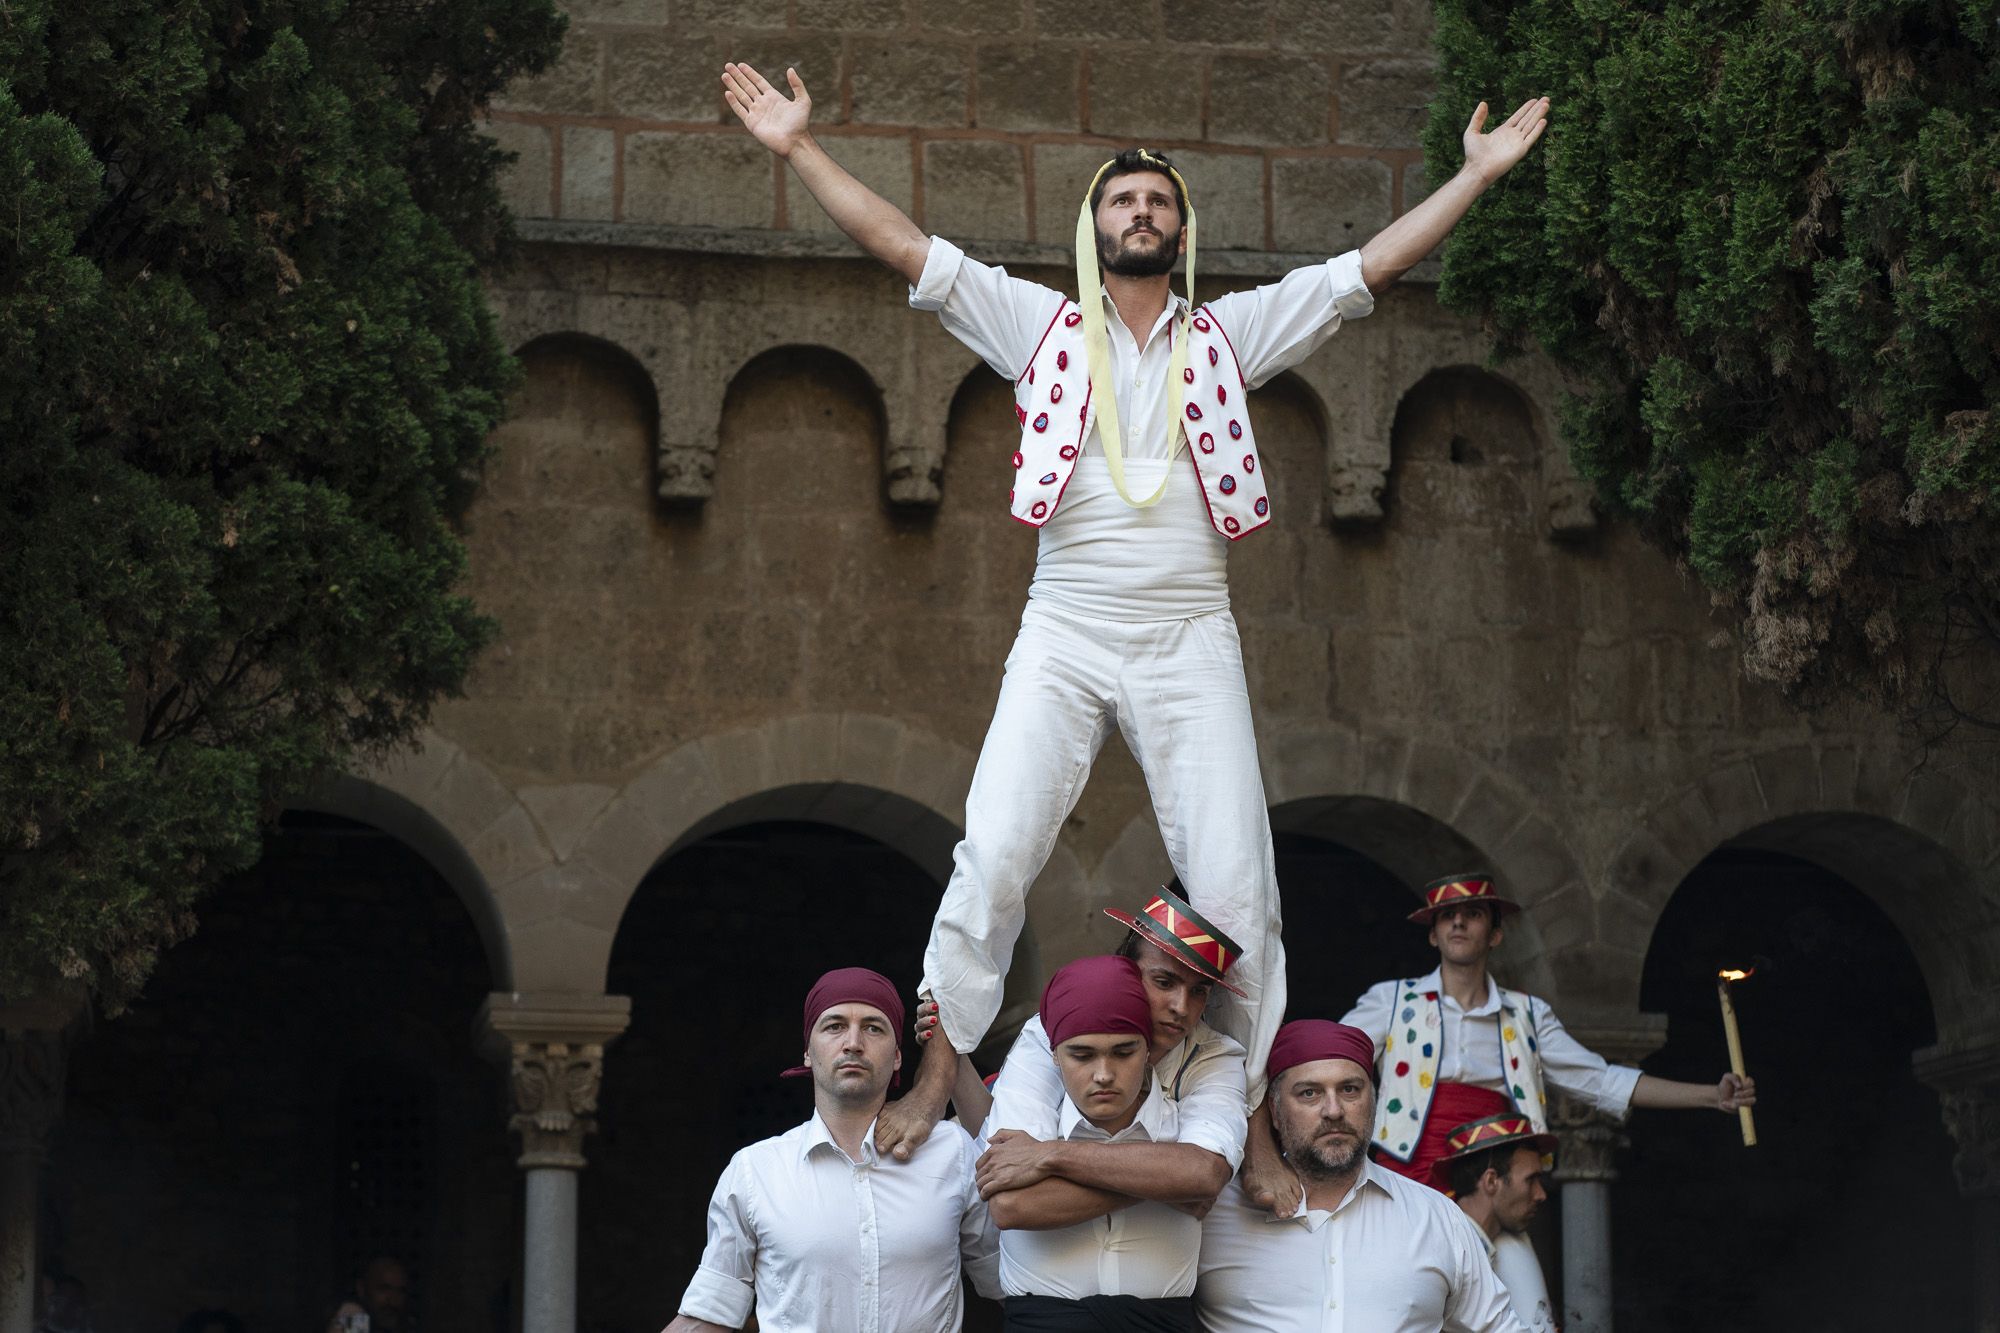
(1249, 462)
(1221, 394)
(1187, 376)
(1055, 393)
(1201, 324)
(1062, 360)
(1231, 524)
(1227, 485)
(1402, 1068)
(1067, 451)
(1072, 319)
(1018, 460)
(1207, 443)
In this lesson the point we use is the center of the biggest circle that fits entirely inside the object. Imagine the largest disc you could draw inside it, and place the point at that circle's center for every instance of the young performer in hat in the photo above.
(1363, 1248)
(1454, 1046)
(1496, 1169)
(1181, 959)
(1074, 1257)
(1128, 619)
(813, 1230)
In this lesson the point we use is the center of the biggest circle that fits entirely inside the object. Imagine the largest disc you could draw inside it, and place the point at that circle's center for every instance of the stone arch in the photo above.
(1919, 843)
(876, 775)
(1359, 461)
(841, 369)
(453, 812)
(1407, 804)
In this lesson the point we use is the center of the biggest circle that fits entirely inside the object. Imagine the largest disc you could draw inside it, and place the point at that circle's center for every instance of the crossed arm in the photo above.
(781, 124)
(1032, 1185)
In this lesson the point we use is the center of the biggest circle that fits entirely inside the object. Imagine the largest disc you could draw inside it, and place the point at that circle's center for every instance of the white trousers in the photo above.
(1174, 689)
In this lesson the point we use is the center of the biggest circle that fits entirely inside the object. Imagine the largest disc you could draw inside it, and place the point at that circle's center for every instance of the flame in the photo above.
(1735, 974)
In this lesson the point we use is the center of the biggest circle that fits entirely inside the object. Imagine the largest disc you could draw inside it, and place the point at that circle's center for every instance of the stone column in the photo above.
(1586, 1166)
(1968, 1088)
(554, 1046)
(1585, 1170)
(33, 1058)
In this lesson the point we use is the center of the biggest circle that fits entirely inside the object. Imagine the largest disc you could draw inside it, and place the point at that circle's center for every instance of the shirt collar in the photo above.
(1176, 304)
(1156, 1116)
(1433, 982)
(818, 1136)
(1314, 1218)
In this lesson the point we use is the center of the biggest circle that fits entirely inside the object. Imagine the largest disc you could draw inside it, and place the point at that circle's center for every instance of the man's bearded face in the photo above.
(1322, 1116)
(1138, 225)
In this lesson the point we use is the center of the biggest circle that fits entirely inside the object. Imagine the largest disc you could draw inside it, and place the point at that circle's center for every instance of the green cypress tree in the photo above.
(1764, 237)
(247, 370)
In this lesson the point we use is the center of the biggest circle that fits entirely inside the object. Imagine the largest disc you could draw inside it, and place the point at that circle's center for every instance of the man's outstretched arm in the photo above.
(1398, 247)
(780, 124)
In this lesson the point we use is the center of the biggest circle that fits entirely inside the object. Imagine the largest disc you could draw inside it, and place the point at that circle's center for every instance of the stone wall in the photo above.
(1296, 119)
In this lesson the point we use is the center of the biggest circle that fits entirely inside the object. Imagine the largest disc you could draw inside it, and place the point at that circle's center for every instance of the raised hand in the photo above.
(773, 119)
(1494, 153)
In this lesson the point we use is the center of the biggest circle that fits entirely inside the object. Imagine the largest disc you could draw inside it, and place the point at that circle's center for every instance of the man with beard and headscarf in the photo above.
(1366, 1249)
(813, 1229)
(1128, 622)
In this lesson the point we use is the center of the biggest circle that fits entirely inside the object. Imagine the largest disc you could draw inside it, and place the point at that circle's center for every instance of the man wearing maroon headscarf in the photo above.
(813, 1230)
(1096, 1258)
(1366, 1249)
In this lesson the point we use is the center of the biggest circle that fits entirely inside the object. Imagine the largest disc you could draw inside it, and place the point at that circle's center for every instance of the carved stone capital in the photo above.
(555, 1100)
(554, 1047)
(1968, 1088)
(1589, 1141)
(914, 475)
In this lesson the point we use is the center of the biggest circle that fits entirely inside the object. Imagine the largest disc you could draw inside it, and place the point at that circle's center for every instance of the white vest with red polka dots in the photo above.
(1052, 401)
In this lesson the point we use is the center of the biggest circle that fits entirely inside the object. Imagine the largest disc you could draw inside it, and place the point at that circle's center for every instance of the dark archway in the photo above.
(1346, 925)
(295, 1090)
(1845, 1216)
(717, 950)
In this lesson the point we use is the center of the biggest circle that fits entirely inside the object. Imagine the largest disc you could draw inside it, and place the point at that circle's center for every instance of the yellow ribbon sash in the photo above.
(1097, 345)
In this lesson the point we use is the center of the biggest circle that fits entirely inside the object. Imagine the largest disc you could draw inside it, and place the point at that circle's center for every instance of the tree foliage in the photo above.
(246, 373)
(1763, 237)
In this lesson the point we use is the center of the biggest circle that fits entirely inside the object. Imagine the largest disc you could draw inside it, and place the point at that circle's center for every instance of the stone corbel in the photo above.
(554, 1046)
(686, 472)
(913, 463)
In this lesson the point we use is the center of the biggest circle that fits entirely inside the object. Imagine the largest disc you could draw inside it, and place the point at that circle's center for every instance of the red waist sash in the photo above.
(1452, 1105)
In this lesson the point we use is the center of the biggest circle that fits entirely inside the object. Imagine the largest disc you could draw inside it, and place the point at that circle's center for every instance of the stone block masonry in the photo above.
(1297, 121)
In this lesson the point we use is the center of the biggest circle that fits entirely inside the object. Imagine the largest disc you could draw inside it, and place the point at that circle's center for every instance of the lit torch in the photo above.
(1723, 980)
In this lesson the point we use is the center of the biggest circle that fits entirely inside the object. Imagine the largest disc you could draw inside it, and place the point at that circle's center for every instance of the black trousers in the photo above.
(1097, 1314)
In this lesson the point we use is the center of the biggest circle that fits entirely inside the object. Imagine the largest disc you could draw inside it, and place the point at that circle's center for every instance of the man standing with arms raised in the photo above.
(1128, 620)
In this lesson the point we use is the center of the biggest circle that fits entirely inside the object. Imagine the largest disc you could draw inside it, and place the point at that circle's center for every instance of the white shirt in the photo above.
(1146, 1250)
(1098, 556)
(811, 1239)
(1203, 1077)
(1471, 1051)
(1519, 1269)
(1393, 1257)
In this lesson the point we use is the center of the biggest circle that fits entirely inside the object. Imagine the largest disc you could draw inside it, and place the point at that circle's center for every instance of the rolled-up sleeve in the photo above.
(1579, 1071)
(723, 1290)
(1000, 317)
(1278, 325)
(1214, 1102)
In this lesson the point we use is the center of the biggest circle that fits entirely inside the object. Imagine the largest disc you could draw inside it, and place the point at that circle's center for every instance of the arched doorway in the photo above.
(717, 950)
(1845, 1215)
(295, 1092)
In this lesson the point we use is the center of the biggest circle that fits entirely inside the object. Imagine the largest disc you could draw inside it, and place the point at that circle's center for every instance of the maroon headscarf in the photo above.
(1099, 994)
(1304, 1040)
(851, 985)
